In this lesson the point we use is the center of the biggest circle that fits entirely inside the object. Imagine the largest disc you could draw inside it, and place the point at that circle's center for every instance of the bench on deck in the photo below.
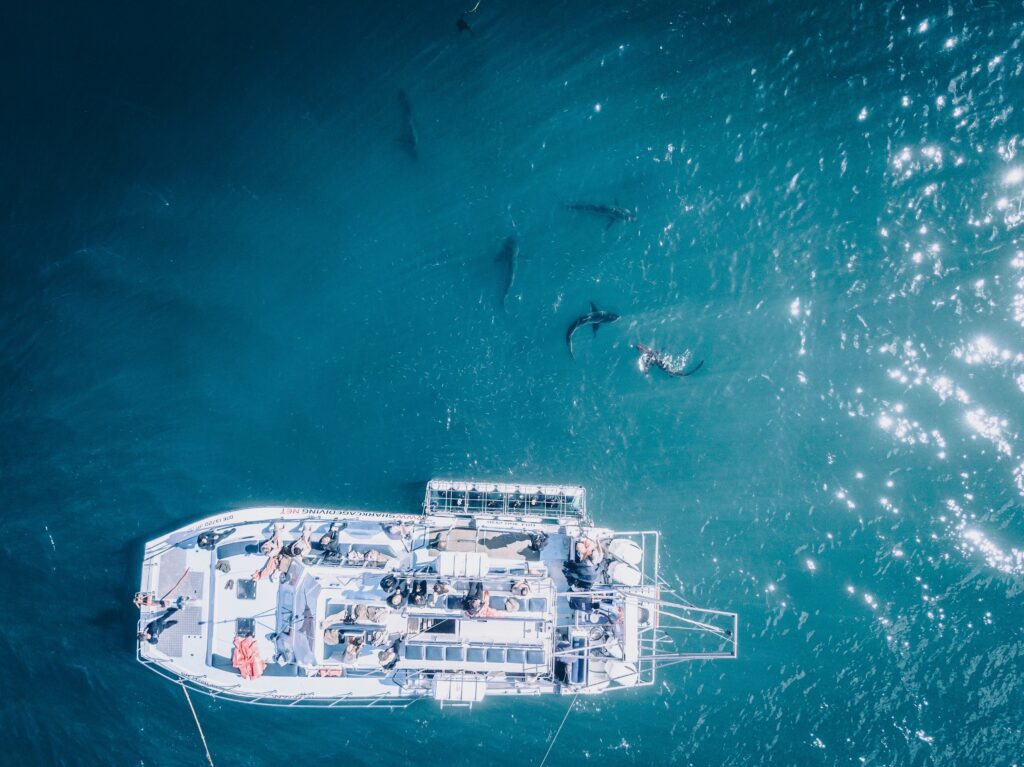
(473, 653)
(236, 548)
(526, 604)
(535, 605)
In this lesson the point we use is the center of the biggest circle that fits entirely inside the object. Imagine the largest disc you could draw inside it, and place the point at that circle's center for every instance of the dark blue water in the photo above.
(225, 282)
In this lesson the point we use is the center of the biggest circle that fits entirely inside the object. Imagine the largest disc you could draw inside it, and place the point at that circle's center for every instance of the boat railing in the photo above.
(202, 684)
(414, 684)
(295, 518)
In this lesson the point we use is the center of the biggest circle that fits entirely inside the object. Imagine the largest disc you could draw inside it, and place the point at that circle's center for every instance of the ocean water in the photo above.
(225, 282)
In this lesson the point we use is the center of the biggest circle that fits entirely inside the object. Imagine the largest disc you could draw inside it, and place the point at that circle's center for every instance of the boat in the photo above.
(492, 589)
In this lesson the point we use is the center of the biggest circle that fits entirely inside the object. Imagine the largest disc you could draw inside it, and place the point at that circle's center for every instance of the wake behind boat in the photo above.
(494, 589)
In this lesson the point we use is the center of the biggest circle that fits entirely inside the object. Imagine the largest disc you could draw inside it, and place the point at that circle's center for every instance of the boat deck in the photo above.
(225, 601)
(363, 608)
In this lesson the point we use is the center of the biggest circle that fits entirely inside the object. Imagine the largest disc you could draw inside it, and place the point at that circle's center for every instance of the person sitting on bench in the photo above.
(272, 546)
(353, 646)
(474, 600)
(388, 658)
(441, 590)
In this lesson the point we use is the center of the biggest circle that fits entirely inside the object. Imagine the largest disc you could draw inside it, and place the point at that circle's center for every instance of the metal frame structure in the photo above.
(668, 621)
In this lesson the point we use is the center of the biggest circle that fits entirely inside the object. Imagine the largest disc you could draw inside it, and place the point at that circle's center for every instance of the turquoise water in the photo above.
(226, 283)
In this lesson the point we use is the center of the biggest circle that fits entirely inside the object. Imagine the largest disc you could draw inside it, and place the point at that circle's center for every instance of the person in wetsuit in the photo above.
(389, 657)
(419, 593)
(474, 601)
(580, 574)
(156, 627)
(209, 540)
(329, 541)
(398, 597)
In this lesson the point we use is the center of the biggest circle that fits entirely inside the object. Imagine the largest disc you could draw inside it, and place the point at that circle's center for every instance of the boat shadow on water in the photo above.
(120, 610)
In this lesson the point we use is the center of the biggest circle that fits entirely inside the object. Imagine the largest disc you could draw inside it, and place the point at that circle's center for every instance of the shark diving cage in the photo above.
(527, 503)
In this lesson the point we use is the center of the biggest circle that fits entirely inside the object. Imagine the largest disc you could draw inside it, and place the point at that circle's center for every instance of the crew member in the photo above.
(156, 627)
(209, 540)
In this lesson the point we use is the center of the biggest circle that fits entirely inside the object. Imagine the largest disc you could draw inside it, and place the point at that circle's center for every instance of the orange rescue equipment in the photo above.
(247, 658)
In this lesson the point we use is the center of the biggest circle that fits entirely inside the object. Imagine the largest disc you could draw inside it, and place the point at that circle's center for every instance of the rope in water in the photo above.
(558, 732)
(196, 717)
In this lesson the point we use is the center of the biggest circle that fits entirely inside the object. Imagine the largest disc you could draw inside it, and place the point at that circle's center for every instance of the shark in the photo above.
(508, 257)
(410, 138)
(595, 318)
(612, 213)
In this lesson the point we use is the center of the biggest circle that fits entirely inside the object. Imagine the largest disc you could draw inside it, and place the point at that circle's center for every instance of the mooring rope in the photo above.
(199, 726)
(175, 585)
(558, 732)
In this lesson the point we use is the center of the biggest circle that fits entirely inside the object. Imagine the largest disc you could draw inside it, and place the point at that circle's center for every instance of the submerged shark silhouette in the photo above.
(595, 318)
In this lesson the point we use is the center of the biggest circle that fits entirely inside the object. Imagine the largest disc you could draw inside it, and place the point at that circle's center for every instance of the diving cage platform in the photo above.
(494, 589)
